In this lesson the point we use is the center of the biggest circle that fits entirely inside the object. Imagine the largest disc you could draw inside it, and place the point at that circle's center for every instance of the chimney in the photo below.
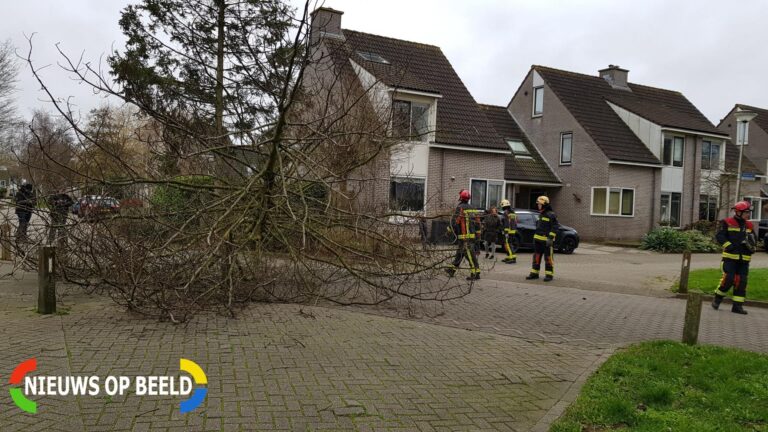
(326, 22)
(615, 76)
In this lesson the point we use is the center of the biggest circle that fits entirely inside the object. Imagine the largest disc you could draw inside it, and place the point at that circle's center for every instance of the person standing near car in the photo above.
(25, 205)
(464, 224)
(59, 205)
(491, 230)
(543, 240)
(736, 235)
(510, 231)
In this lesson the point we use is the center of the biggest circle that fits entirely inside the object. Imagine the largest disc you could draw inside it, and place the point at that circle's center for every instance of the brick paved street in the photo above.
(299, 368)
(276, 368)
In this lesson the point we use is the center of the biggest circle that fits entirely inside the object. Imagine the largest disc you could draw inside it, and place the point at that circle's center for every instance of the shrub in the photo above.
(704, 226)
(178, 201)
(670, 240)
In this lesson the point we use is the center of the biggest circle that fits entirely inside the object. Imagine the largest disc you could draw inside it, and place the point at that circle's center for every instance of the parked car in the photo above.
(566, 242)
(762, 232)
(94, 206)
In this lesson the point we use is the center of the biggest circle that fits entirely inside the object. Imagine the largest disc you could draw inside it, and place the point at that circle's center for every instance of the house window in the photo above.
(608, 201)
(519, 149)
(756, 203)
(566, 148)
(673, 151)
(2, 183)
(486, 193)
(708, 207)
(410, 120)
(538, 101)
(406, 193)
(710, 155)
(670, 208)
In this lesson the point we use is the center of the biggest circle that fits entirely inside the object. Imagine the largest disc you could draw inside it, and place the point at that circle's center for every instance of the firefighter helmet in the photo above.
(464, 195)
(504, 203)
(543, 200)
(742, 206)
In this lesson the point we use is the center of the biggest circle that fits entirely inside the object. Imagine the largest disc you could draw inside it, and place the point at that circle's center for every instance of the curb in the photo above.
(709, 297)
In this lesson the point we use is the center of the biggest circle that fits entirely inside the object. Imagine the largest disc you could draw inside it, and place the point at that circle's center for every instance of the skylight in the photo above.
(372, 57)
(518, 148)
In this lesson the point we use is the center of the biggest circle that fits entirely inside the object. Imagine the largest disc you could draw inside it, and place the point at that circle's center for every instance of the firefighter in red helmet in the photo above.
(465, 226)
(737, 237)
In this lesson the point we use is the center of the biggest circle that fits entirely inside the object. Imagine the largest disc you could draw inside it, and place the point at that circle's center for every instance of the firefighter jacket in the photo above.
(737, 238)
(547, 226)
(510, 222)
(465, 222)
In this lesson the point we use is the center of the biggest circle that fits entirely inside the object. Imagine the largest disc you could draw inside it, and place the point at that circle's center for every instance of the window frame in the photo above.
(709, 154)
(607, 201)
(423, 198)
(536, 91)
(487, 182)
(709, 201)
(423, 138)
(673, 139)
(562, 140)
(680, 209)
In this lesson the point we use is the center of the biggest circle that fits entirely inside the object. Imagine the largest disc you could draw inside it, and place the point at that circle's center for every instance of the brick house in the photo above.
(453, 143)
(629, 156)
(755, 159)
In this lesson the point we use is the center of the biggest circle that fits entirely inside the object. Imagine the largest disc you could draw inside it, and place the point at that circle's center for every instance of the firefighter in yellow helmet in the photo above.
(543, 240)
(510, 230)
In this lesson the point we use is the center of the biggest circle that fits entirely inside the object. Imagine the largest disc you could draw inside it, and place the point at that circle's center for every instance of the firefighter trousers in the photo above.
(467, 249)
(540, 250)
(508, 248)
(735, 274)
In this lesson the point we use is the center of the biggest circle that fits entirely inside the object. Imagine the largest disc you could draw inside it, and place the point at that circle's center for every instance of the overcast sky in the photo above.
(711, 51)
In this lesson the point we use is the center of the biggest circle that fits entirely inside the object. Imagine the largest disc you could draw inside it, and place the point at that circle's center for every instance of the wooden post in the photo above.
(5, 242)
(46, 282)
(692, 318)
(684, 272)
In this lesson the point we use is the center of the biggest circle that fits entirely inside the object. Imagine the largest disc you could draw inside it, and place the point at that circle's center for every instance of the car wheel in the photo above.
(568, 245)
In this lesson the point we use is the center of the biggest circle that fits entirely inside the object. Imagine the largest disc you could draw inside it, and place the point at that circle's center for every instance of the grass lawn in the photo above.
(707, 280)
(668, 386)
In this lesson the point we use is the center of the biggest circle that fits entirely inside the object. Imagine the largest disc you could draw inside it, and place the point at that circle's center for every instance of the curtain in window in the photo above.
(627, 202)
(599, 201)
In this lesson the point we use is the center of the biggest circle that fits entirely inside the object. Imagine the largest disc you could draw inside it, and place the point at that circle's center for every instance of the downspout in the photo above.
(442, 178)
(653, 197)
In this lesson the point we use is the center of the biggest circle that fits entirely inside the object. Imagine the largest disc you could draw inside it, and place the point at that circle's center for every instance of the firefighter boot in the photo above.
(716, 302)
(451, 272)
(547, 278)
(474, 276)
(738, 308)
(532, 276)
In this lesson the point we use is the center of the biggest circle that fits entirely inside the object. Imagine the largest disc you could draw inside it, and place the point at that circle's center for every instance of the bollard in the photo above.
(684, 272)
(46, 282)
(5, 242)
(692, 318)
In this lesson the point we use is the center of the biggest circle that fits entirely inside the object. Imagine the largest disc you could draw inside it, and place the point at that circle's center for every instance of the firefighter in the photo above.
(737, 237)
(543, 240)
(464, 224)
(510, 230)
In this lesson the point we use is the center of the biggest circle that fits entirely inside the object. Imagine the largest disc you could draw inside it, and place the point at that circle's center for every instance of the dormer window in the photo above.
(373, 57)
(519, 149)
(410, 120)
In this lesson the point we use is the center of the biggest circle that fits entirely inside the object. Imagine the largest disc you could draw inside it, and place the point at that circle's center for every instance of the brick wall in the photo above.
(450, 171)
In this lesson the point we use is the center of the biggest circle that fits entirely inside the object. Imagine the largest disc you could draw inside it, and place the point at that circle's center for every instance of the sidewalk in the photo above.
(510, 356)
(286, 367)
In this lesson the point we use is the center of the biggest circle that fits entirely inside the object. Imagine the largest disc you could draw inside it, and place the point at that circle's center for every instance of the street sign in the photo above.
(748, 176)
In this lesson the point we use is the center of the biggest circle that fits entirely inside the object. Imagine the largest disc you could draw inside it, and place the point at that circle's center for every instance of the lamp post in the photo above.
(742, 138)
